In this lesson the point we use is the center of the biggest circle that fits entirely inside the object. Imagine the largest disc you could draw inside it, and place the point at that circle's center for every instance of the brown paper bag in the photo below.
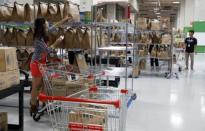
(84, 38)
(5, 13)
(29, 13)
(165, 22)
(2, 39)
(155, 25)
(18, 12)
(142, 23)
(29, 37)
(104, 40)
(136, 71)
(117, 37)
(10, 37)
(99, 16)
(142, 65)
(21, 38)
(68, 39)
(59, 15)
(56, 35)
(52, 37)
(156, 39)
(52, 12)
(80, 63)
(141, 53)
(77, 39)
(42, 9)
(166, 39)
(154, 53)
(71, 10)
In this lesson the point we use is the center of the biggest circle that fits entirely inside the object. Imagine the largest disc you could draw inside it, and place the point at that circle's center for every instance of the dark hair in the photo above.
(191, 31)
(39, 29)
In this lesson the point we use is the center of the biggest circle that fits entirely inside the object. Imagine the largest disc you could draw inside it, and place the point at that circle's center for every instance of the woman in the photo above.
(40, 56)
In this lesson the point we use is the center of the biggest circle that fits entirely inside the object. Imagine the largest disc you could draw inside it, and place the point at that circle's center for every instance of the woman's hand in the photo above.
(60, 39)
(57, 42)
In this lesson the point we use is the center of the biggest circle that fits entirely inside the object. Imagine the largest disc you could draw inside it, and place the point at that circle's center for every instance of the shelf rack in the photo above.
(169, 73)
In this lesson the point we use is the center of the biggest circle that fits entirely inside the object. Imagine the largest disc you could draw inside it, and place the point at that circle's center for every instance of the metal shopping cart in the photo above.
(179, 58)
(64, 80)
(90, 109)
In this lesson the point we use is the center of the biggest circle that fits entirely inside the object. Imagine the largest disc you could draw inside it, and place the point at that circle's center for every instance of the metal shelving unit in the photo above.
(168, 60)
(8, 92)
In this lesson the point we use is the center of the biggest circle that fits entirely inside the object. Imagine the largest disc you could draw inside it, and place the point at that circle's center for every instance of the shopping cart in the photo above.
(64, 80)
(88, 108)
(179, 58)
(95, 109)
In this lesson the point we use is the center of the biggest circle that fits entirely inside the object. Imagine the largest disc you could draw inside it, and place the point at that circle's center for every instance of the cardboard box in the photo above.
(13, 77)
(10, 78)
(142, 23)
(155, 25)
(8, 59)
(165, 22)
(3, 81)
(3, 121)
(86, 117)
(63, 87)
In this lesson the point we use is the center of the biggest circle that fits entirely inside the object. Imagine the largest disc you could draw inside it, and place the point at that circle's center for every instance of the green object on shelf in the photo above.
(20, 27)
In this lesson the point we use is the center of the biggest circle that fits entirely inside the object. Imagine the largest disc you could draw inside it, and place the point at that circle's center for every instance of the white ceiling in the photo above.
(148, 8)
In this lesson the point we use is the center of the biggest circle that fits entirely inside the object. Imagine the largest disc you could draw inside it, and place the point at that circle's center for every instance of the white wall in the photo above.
(190, 10)
(199, 10)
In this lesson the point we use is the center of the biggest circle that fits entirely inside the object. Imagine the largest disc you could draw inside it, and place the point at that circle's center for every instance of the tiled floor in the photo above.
(162, 104)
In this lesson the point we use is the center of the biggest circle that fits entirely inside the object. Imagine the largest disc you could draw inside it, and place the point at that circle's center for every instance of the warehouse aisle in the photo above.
(170, 105)
(162, 104)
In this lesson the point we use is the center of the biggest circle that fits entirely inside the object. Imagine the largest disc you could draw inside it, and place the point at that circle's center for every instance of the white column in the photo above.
(181, 16)
(189, 12)
(199, 10)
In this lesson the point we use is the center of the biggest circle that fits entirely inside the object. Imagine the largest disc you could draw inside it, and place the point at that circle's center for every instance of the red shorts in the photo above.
(35, 71)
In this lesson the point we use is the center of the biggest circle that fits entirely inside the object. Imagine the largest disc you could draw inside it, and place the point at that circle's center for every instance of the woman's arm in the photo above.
(57, 42)
(61, 22)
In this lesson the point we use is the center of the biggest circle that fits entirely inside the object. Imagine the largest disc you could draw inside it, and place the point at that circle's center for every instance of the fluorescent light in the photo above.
(158, 13)
(154, 2)
(176, 2)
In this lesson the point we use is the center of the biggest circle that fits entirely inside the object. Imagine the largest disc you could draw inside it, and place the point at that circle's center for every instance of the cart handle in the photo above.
(44, 97)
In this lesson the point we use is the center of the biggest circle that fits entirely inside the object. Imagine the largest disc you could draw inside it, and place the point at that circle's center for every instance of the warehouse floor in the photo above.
(162, 104)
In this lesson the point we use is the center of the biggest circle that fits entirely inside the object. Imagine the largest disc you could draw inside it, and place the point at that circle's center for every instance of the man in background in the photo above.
(190, 43)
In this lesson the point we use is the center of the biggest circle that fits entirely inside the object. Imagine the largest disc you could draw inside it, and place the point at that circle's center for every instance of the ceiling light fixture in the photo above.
(176, 2)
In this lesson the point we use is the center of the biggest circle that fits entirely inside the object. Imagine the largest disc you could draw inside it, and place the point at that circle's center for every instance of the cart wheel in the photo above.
(180, 69)
(36, 117)
(134, 96)
(166, 75)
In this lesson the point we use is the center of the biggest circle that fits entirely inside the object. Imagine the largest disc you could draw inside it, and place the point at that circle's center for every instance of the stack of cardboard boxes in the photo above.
(9, 70)
(3, 121)
(91, 116)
